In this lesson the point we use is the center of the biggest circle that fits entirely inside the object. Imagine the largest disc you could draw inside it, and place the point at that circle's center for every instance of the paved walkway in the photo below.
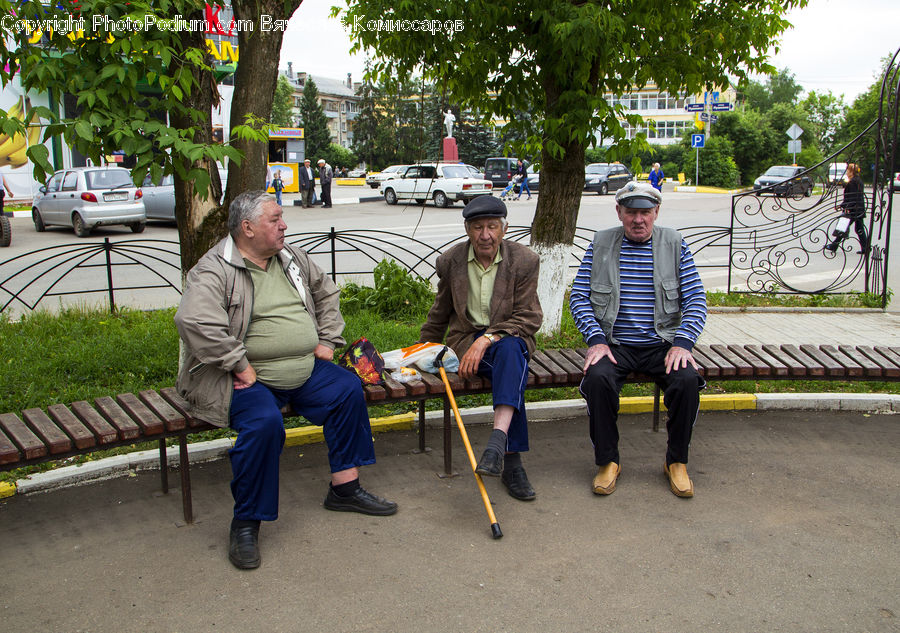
(793, 528)
(825, 327)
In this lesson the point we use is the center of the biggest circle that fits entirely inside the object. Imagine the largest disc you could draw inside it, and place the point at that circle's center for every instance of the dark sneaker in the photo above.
(517, 484)
(243, 549)
(491, 463)
(360, 501)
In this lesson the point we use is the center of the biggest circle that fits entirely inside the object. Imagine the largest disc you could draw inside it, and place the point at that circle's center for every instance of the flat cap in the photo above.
(638, 195)
(484, 207)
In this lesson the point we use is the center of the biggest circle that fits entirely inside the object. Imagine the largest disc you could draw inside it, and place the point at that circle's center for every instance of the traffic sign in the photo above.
(721, 106)
(697, 140)
(713, 118)
(704, 116)
(794, 131)
(694, 107)
(794, 147)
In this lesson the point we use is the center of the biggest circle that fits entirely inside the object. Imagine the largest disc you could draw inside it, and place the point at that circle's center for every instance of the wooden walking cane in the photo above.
(495, 527)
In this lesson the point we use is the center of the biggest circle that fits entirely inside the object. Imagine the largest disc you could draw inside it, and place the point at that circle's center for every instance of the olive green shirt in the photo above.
(481, 289)
(281, 337)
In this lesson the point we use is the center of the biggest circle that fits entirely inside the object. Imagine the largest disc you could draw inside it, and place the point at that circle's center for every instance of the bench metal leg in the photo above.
(448, 449)
(164, 467)
(656, 408)
(185, 479)
(421, 426)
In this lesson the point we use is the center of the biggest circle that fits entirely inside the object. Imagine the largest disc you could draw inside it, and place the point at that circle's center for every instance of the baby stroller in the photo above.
(507, 194)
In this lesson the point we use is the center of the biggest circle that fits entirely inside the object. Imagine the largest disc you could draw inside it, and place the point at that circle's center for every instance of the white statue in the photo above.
(448, 121)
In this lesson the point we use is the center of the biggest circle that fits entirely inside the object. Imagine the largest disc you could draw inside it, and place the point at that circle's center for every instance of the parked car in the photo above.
(837, 174)
(375, 178)
(606, 178)
(784, 180)
(499, 170)
(356, 173)
(443, 183)
(159, 199)
(87, 197)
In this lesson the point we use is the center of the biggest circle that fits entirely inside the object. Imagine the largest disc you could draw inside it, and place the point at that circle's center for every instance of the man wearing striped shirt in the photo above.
(639, 303)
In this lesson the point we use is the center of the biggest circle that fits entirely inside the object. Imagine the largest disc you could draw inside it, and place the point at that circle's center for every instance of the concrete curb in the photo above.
(129, 464)
(337, 201)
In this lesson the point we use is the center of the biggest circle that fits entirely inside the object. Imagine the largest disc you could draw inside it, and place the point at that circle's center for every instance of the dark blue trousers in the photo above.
(505, 364)
(332, 398)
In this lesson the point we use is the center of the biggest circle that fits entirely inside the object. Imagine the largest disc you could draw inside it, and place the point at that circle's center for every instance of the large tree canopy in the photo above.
(558, 60)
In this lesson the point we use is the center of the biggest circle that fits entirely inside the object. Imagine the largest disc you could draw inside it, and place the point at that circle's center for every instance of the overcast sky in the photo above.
(835, 45)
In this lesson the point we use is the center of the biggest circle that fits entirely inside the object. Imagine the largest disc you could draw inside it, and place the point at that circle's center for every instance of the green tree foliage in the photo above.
(756, 144)
(826, 113)
(373, 132)
(338, 156)
(476, 142)
(314, 122)
(283, 104)
(717, 167)
(780, 87)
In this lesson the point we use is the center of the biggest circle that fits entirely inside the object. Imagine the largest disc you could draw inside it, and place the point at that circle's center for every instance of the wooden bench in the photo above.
(37, 435)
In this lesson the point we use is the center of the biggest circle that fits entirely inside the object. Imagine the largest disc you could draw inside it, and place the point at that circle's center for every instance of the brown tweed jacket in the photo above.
(515, 308)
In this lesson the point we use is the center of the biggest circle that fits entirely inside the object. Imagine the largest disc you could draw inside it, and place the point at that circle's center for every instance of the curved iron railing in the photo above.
(777, 243)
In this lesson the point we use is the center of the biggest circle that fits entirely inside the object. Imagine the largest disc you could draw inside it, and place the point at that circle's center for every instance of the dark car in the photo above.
(500, 170)
(606, 178)
(784, 180)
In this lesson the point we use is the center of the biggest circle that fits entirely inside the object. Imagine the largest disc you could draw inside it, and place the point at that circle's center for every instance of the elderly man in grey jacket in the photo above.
(260, 321)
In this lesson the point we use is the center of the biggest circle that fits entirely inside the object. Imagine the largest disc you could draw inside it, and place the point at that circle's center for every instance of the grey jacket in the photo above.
(214, 315)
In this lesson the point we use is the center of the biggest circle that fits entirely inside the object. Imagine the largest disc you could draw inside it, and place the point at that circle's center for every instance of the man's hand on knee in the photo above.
(678, 358)
(595, 353)
(468, 364)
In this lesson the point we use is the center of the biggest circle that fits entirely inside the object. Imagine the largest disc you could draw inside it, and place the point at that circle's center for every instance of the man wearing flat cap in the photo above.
(639, 303)
(488, 308)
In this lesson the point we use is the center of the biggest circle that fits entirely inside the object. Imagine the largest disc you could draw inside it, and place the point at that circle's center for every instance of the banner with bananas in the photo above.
(15, 170)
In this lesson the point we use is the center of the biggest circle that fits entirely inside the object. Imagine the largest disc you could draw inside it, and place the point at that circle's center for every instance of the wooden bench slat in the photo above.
(50, 434)
(779, 369)
(172, 420)
(396, 389)
(554, 372)
(473, 383)
(812, 366)
(795, 368)
(573, 371)
(759, 368)
(138, 411)
(889, 355)
(576, 359)
(9, 454)
(74, 428)
(541, 375)
(102, 430)
(26, 441)
(708, 369)
(127, 428)
(852, 361)
(742, 367)
(171, 395)
(888, 369)
(833, 369)
(725, 367)
(374, 393)
(434, 384)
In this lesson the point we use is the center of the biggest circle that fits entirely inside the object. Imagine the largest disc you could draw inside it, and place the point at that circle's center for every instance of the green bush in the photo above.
(398, 294)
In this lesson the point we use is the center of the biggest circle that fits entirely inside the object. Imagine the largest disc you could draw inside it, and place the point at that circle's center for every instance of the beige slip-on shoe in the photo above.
(605, 479)
(679, 482)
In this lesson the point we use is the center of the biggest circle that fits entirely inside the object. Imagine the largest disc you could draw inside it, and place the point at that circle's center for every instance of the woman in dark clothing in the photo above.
(854, 207)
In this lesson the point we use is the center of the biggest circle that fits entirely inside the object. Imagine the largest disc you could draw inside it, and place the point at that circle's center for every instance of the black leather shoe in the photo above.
(517, 484)
(243, 550)
(360, 501)
(491, 463)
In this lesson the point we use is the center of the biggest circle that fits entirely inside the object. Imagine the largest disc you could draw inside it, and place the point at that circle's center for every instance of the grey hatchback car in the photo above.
(87, 197)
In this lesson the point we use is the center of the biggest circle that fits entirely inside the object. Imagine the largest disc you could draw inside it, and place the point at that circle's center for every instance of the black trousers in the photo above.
(603, 382)
(326, 194)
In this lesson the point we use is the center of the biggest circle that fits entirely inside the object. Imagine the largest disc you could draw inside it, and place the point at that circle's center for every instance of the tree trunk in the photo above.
(201, 222)
(254, 88)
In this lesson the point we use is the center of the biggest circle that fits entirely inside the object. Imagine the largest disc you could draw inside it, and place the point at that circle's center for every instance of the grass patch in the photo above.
(766, 300)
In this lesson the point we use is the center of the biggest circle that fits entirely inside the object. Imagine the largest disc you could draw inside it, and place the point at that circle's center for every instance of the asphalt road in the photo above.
(425, 224)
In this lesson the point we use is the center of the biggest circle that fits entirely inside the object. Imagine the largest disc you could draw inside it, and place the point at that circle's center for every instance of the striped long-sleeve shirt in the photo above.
(634, 323)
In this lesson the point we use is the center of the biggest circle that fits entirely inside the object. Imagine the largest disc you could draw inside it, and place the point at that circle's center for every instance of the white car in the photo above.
(375, 178)
(443, 183)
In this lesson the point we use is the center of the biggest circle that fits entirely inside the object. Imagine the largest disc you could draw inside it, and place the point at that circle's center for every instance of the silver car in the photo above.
(87, 197)
(159, 200)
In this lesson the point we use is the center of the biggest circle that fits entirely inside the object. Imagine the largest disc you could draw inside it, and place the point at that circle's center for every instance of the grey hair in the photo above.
(247, 206)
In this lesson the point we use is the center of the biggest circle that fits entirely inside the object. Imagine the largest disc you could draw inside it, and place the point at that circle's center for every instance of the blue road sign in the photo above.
(694, 107)
(704, 116)
(713, 118)
(722, 106)
(697, 140)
